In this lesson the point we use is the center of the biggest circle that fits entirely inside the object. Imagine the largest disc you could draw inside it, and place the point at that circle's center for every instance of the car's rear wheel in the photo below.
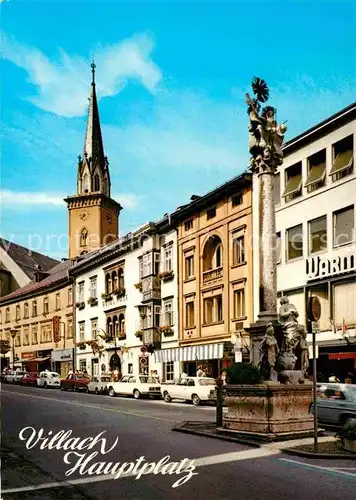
(136, 394)
(196, 400)
(85, 389)
(167, 397)
(96, 390)
(63, 388)
(347, 419)
(111, 392)
(45, 385)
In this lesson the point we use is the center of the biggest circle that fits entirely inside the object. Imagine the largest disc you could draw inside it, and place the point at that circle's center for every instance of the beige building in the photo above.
(215, 287)
(29, 312)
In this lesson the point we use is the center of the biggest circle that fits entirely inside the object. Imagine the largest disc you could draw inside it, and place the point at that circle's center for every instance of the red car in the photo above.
(77, 382)
(29, 379)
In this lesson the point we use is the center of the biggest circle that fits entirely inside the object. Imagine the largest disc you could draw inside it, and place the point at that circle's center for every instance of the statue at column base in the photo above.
(288, 377)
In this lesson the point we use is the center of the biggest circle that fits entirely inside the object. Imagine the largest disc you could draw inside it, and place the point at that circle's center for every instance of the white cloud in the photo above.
(18, 199)
(63, 85)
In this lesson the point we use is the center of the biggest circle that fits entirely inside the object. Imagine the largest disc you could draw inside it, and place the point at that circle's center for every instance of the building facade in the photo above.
(214, 286)
(315, 224)
(126, 303)
(28, 313)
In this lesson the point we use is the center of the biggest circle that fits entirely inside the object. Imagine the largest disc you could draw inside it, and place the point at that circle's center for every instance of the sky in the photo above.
(171, 79)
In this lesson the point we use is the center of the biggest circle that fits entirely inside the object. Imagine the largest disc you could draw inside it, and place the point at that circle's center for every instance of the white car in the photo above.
(49, 379)
(195, 389)
(14, 377)
(135, 386)
(99, 383)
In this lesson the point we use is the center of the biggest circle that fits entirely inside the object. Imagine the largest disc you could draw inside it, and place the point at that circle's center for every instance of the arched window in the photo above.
(85, 183)
(115, 280)
(116, 325)
(108, 283)
(212, 254)
(122, 324)
(121, 279)
(96, 182)
(109, 329)
(83, 237)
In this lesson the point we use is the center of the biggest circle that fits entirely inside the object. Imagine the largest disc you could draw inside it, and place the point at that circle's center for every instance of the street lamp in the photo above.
(142, 310)
(13, 333)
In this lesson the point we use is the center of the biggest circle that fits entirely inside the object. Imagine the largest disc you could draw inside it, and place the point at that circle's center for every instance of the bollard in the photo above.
(219, 402)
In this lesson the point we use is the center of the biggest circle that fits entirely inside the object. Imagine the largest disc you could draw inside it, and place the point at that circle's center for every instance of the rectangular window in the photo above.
(293, 182)
(94, 328)
(7, 315)
(168, 252)
(18, 339)
(93, 288)
(316, 171)
(34, 335)
(169, 371)
(168, 313)
(34, 308)
(58, 301)
(141, 267)
(295, 242)
(46, 333)
(239, 250)
(239, 303)
(157, 262)
(277, 189)
(344, 226)
(149, 318)
(278, 248)
(188, 225)
(218, 308)
(70, 296)
(189, 267)
(189, 315)
(317, 235)
(69, 328)
(344, 304)
(81, 292)
(147, 264)
(211, 213)
(25, 310)
(208, 305)
(157, 310)
(343, 156)
(26, 336)
(236, 200)
(45, 305)
(82, 365)
(81, 331)
(18, 312)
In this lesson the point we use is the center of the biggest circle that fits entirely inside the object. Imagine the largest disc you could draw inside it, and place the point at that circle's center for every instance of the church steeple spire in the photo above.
(93, 171)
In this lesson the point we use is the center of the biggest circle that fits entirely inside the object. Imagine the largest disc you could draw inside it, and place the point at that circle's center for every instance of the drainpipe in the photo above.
(74, 356)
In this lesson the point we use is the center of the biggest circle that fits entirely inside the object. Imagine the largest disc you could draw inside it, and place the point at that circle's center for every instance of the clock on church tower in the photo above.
(93, 214)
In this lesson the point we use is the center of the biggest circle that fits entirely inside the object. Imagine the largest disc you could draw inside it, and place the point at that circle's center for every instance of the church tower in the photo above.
(93, 214)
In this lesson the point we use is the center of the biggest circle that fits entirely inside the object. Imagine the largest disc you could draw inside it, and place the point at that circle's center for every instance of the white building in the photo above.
(315, 224)
(126, 303)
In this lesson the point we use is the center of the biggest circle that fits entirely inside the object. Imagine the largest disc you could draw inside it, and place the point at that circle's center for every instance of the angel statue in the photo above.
(265, 135)
(268, 354)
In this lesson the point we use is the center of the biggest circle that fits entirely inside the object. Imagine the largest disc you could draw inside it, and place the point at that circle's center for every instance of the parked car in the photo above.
(77, 382)
(14, 377)
(136, 386)
(29, 379)
(49, 379)
(99, 383)
(336, 403)
(195, 389)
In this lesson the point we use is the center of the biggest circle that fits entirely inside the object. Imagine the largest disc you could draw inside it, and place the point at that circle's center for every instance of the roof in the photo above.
(56, 275)
(27, 259)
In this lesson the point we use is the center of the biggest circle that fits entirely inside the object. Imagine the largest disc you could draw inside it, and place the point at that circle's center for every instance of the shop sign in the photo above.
(62, 355)
(319, 267)
(28, 355)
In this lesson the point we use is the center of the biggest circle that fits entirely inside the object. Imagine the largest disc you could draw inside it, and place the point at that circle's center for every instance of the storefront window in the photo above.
(169, 371)
(344, 304)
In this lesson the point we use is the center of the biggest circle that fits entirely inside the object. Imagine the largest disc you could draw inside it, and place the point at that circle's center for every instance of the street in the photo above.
(143, 429)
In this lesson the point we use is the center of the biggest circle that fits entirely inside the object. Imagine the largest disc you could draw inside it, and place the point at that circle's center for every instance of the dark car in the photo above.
(29, 379)
(77, 382)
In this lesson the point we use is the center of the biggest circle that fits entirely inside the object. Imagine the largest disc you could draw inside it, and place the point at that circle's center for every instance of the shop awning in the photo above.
(190, 353)
(36, 360)
(342, 355)
(342, 162)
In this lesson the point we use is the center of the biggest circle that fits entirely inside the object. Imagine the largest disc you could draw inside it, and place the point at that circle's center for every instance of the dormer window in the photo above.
(293, 182)
(343, 156)
(96, 182)
(316, 171)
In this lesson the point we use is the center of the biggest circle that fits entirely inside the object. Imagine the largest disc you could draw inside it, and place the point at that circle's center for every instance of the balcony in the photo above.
(152, 337)
(212, 276)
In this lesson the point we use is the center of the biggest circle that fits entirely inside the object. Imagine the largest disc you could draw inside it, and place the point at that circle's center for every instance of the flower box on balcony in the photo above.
(106, 296)
(139, 334)
(166, 275)
(80, 305)
(93, 301)
(120, 293)
(139, 286)
(166, 330)
(81, 345)
(121, 336)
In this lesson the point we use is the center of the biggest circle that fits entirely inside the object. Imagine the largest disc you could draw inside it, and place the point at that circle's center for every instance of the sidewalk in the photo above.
(18, 471)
